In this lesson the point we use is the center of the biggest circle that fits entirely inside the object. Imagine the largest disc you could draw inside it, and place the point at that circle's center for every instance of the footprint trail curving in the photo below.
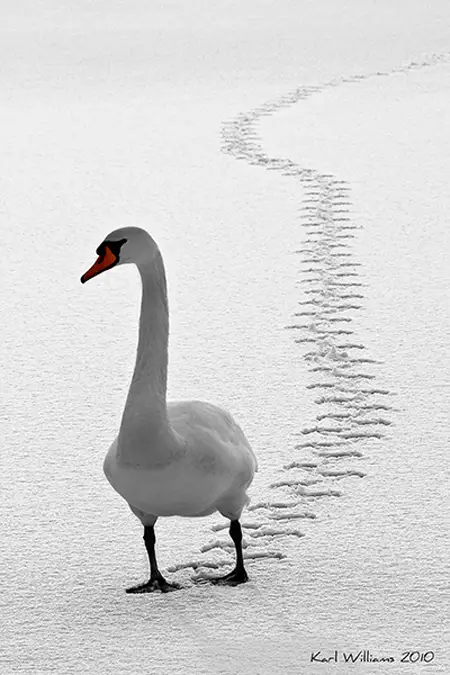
(352, 411)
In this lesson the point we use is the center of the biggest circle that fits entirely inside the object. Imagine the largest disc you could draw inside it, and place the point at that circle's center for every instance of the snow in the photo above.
(308, 269)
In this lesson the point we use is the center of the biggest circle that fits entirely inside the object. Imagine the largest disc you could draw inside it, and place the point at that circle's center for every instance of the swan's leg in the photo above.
(238, 575)
(156, 581)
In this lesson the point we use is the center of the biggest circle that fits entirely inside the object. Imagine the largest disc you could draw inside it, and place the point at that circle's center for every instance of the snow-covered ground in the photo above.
(308, 270)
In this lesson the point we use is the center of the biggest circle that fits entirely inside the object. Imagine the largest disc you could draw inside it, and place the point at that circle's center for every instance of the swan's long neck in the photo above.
(145, 436)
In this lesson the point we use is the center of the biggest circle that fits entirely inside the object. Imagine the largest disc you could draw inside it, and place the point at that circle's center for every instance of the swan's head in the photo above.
(126, 245)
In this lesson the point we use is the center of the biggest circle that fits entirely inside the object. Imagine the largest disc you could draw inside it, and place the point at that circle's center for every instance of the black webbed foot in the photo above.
(233, 578)
(152, 585)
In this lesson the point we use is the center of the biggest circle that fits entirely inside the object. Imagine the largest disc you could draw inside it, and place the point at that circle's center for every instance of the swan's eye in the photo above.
(113, 246)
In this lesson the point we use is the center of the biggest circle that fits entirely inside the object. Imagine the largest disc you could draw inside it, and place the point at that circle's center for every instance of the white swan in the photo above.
(185, 458)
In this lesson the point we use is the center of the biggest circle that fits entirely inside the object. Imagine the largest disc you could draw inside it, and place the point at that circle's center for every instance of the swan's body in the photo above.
(186, 458)
(211, 471)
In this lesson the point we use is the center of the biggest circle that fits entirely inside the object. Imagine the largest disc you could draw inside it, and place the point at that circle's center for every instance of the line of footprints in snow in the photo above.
(352, 411)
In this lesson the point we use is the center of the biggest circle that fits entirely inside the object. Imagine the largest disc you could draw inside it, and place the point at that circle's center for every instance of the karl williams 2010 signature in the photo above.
(366, 656)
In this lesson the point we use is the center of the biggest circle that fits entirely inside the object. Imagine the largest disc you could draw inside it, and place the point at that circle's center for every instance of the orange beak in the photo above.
(103, 262)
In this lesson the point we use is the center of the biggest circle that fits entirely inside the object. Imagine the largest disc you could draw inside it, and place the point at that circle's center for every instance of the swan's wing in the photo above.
(213, 437)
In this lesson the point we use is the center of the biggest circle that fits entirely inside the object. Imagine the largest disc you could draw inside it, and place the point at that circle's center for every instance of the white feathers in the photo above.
(186, 458)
